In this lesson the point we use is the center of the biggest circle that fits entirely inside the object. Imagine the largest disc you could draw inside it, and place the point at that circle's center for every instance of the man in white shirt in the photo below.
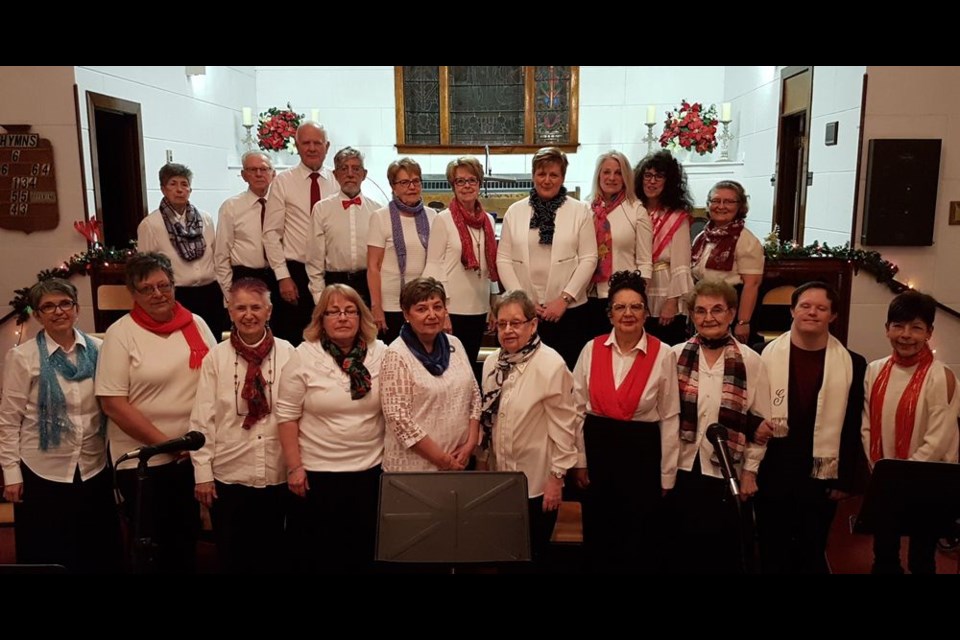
(239, 249)
(286, 227)
(337, 244)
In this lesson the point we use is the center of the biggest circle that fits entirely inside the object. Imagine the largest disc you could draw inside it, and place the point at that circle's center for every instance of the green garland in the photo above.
(80, 263)
(870, 261)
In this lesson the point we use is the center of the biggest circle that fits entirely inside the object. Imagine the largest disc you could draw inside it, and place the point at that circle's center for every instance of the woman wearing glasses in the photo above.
(397, 245)
(726, 250)
(53, 442)
(331, 431)
(147, 379)
(628, 402)
(529, 418)
(462, 255)
(662, 188)
(548, 248)
(430, 396)
(239, 471)
(624, 234)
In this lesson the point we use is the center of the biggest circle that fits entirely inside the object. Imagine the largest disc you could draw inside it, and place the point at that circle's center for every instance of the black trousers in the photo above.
(74, 524)
(620, 525)
(596, 322)
(335, 526)
(569, 334)
(921, 554)
(671, 334)
(289, 320)
(248, 527)
(265, 274)
(207, 302)
(394, 322)
(171, 515)
(355, 279)
(470, 330)
(541, 530)
(793, 527)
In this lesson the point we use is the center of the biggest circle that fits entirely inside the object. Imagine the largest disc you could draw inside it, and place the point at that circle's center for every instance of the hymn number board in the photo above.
(28, 184)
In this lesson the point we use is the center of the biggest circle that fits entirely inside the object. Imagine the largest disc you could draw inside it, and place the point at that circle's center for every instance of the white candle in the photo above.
(651, 114)
(247, 116)
(725, 112)
(315, 115)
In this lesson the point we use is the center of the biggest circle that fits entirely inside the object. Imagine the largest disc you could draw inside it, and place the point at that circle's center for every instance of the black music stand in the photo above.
(453, 517)
(906, 497)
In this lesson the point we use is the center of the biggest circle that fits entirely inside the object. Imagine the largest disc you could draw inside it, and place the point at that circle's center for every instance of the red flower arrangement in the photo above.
(278, 128)
(691, 127)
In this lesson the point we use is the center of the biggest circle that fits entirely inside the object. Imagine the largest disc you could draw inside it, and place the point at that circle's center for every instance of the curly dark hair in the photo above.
(630, 280)
(675, 194)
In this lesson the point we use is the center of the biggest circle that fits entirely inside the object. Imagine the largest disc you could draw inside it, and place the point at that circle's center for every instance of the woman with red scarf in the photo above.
(239, 471)
(147, 378)
(624, 233)
(910, 413)
(726, 250)
(462, 255)
(625, 389)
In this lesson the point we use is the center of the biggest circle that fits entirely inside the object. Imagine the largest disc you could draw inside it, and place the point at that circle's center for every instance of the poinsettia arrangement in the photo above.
(278, 128)
(691, 127)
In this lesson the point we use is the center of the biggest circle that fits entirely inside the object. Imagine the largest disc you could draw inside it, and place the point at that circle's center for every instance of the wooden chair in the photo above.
(114, 297)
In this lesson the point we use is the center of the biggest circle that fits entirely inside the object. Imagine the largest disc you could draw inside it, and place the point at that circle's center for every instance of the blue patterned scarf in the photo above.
(399, 242)
(437, 361)
(52, 416)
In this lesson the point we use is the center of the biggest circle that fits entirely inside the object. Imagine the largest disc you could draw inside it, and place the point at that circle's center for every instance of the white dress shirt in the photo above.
(632, 235)
(708, 410)
(231, 454)
(239, 238)
(338, 238)
(671, 273)
(152, 371)
(286, 228)
(468, 292)
(337, 433)
(417, 404)
(535, 429)
(573, 254)
(152, 236)
(747, 260)
(381, 235)
(82, 444)
(659, 401)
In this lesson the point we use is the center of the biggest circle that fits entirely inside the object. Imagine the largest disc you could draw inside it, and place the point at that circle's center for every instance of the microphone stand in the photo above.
(732, 484)
(143, 546)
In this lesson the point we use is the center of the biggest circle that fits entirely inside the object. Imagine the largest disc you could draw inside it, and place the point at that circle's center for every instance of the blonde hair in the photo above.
(408, 164)
(468, 163)
(367, 330)
(551, 155)
(625, 170)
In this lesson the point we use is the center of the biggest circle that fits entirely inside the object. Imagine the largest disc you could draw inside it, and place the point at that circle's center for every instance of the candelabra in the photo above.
(650, 139)
(725, 138)
(248, 141)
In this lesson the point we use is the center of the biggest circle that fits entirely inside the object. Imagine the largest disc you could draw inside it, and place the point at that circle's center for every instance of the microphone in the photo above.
(190, 441)
(717, 435)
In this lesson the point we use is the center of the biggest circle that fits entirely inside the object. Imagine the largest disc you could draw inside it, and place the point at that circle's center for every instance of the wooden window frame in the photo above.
(528, 146)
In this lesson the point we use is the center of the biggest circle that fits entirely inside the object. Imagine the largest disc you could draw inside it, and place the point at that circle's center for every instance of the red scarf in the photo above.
(182, 320)
(906, 415)
(604, 237)
(254, 384)
(605, 398)
(477, 219)
(725, 240)
(665, 225)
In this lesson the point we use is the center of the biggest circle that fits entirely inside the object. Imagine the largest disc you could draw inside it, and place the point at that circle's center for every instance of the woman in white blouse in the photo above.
(548, 248)
(239, 471)
(624, 233)
(628, 403)
(726, 250)
(462, 255)
(53, 442)
(397, 245)
(529, 417)
(430, 396)
(661, 186)
(331, 431)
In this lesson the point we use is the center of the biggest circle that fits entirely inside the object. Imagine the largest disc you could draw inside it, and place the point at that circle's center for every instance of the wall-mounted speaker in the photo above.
(901, 193)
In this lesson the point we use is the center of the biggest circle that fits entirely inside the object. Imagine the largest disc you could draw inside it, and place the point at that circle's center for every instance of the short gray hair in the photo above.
(517, 297)
(50, 286)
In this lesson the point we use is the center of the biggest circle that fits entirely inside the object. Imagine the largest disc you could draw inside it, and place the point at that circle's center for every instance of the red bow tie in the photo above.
(347, 203)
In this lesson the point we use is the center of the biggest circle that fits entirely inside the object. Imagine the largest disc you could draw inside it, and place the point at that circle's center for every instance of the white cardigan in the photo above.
(573, 255)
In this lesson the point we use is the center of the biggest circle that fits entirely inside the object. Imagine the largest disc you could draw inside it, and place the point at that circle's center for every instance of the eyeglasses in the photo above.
(50, 307)
(636, 307)
(258, 169)
(406, 183)
(345, 168)
(715, 312)
(333, 313)
(512, 324)
(148, 289)
(463, 182)
(717, 202)
(649, 176)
